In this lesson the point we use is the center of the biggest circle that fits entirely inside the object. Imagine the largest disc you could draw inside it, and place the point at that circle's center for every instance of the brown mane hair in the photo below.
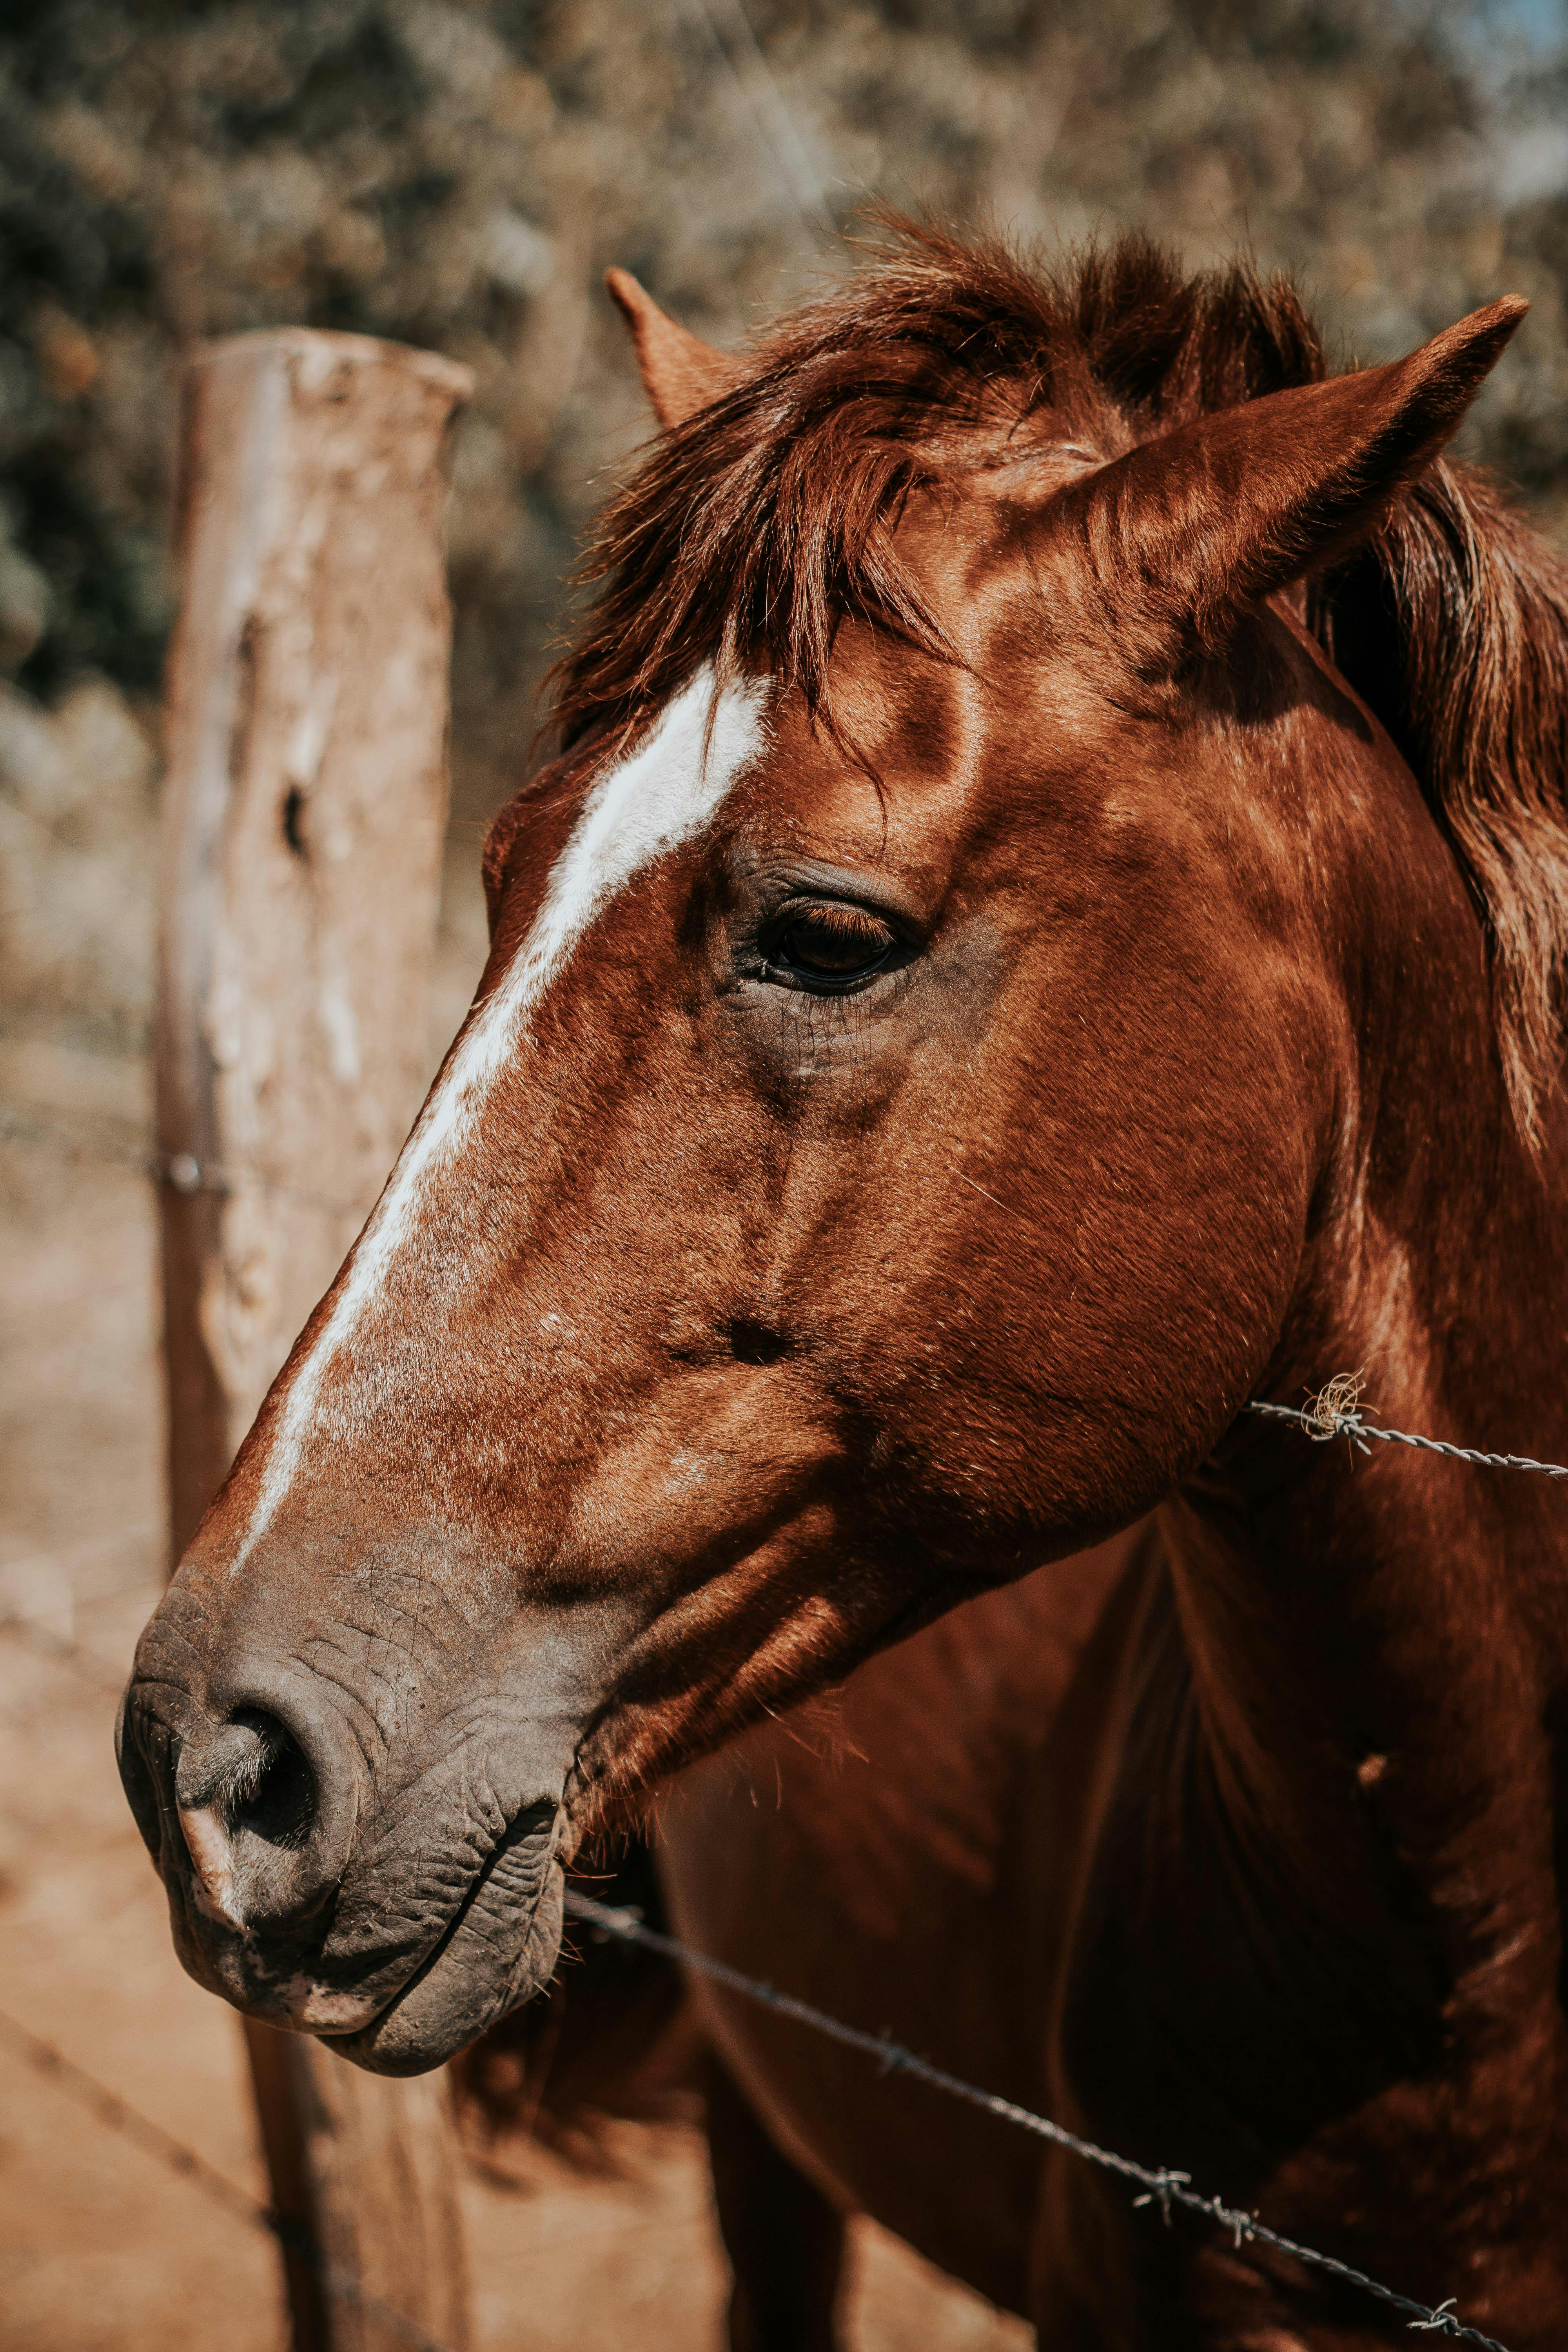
(753, 528)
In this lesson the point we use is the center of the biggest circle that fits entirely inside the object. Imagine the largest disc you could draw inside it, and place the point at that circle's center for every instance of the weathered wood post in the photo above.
(302, 826)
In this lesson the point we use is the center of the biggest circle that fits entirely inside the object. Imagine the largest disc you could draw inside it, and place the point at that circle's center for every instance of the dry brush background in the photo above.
(457, 174)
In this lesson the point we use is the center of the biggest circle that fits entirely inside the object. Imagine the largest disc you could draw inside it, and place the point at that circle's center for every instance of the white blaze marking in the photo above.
(658, 796)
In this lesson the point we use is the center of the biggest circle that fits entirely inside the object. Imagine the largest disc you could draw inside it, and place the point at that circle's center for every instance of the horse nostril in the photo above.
(212, 1864)
(274, 1798)
(250, 1804)
(253, 1779)
(246, 1801)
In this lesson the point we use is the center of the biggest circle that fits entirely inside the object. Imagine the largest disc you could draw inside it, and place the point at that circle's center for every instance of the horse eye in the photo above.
(832, 945)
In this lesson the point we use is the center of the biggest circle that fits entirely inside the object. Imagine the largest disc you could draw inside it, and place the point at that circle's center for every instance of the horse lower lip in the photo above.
(427, 2048)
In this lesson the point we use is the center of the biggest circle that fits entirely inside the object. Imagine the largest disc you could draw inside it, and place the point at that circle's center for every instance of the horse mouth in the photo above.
(499, 1947)
(495, 1949)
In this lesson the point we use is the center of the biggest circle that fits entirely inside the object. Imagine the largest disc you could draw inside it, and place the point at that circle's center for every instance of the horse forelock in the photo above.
(753, 529)
(756, 526)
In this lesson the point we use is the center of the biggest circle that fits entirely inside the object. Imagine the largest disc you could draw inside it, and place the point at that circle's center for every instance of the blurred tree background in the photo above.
(457, 174)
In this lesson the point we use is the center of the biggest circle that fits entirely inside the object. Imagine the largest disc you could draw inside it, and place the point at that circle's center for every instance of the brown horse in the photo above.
(998, 976)
(901, 1851)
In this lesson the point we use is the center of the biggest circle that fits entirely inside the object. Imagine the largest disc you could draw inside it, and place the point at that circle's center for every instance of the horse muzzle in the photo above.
(251, 1801)
(399, 1921)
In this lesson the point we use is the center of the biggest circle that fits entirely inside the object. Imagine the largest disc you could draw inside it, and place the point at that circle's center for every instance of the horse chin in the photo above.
(496, 1951)
(501, 1950)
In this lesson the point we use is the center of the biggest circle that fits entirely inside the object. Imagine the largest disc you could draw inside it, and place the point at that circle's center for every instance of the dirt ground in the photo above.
(101, 2244)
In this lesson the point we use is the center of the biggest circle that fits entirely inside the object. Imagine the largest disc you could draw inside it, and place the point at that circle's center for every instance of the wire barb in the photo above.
(1161, 2187)
(1335, 1403)
(1329, 1416)
(1443, 2320)
(1161, 2193)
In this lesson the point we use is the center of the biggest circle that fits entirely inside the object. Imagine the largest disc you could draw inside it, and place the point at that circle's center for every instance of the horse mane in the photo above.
(1452, 626)
(752, 530)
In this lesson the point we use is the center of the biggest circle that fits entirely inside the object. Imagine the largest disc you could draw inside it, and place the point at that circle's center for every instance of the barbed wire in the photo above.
(25, 1123)
(1336, 1412)
(1160, 2186)
(118, 2116)
(65, 1650)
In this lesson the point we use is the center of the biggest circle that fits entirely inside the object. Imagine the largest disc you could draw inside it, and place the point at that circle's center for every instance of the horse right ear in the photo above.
(680, 373)
(1187, 532)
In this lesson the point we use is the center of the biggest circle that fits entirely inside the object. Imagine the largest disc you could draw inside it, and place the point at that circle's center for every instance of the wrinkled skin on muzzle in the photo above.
(352, 1785)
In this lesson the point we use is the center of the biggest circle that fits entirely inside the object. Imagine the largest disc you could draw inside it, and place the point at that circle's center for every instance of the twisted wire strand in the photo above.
(1321, 1425)
(20, 1123)
(47, 1643)
(1161, 2187)
(188, 2164)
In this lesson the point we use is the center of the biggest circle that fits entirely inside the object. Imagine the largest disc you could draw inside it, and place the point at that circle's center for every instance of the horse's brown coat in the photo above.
(910, 1852)
(1198, 1045)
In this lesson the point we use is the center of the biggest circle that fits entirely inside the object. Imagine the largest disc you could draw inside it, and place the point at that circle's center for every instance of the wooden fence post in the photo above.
(303, 818)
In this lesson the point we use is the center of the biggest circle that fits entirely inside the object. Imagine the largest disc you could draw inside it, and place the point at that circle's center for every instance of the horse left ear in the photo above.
(680, 373)
(1202, 524)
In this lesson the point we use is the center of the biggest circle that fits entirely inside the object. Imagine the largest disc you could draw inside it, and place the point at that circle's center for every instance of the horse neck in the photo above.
(1375, 1654)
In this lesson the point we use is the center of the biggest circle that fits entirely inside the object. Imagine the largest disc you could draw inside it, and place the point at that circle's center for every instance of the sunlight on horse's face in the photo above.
(866, 1173)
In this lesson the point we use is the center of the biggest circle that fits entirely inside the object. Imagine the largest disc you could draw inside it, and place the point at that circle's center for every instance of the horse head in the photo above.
(933, 1005)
